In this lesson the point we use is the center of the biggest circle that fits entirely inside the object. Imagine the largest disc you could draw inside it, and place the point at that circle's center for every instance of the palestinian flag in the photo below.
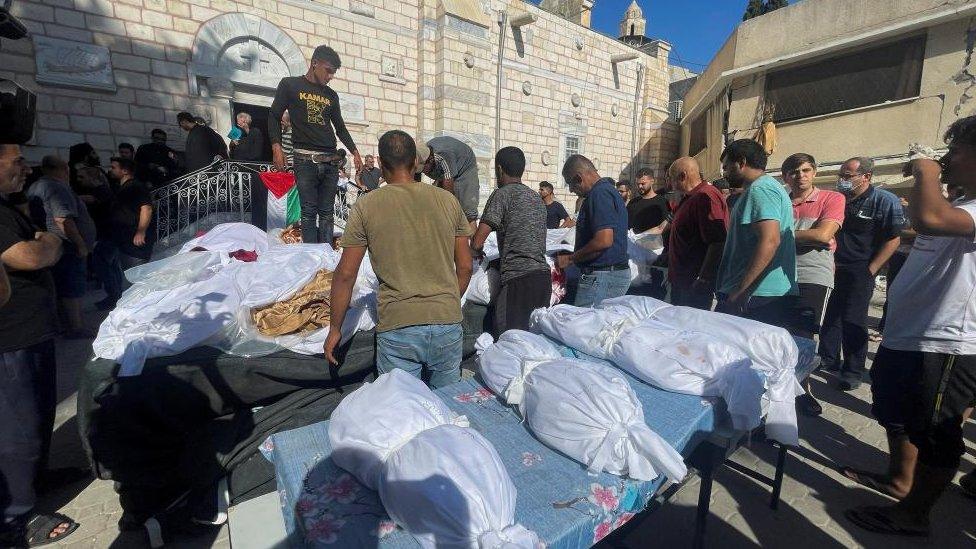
(283, 205)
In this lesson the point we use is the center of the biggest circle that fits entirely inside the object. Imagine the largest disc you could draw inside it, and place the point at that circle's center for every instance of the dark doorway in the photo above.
(259, 120)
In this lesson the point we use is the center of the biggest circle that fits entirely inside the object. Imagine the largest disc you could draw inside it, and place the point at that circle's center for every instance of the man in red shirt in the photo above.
(697, 236)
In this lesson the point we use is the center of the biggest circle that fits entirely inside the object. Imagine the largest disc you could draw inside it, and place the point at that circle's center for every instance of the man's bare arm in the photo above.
(568, 222)
(820, 234)
(32, 255)
(70, 228)
(480, 235)
(462, 262)
(884, 254)
(447, 184)
(343, 280)
(931, 213)
(767, 232)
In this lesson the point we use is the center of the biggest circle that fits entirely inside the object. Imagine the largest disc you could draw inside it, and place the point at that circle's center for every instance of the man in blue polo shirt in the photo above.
(757, 276)
(873, 220)
(601, 235)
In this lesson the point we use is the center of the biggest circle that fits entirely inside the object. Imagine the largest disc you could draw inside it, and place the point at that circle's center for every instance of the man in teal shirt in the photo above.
(757, 277)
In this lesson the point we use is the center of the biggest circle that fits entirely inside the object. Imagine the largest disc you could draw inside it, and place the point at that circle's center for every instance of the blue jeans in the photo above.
(436, 347)
(596, 286)
(317, 184)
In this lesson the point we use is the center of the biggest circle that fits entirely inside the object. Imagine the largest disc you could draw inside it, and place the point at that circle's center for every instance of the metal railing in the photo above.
(218, 193)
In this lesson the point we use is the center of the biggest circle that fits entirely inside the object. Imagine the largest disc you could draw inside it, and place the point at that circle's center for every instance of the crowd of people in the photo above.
(785, 253)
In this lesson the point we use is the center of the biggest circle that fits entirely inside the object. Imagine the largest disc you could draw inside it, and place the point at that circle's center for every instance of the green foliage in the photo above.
(755, 8)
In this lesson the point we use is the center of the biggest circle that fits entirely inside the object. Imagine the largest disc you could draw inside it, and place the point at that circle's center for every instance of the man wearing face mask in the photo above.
(873, 220)
(316, 121)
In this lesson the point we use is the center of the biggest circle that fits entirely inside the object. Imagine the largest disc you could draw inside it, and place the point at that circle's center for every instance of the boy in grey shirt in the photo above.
(518, 215)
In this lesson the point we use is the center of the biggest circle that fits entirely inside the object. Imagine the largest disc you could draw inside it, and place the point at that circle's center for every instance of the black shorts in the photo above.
(924, 395)
(518, 297)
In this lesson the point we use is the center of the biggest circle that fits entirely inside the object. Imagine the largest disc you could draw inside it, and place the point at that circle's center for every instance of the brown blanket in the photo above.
(306, 311)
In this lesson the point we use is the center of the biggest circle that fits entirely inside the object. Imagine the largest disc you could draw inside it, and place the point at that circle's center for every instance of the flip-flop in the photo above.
(868, 480)
(41, 526)
(874, 519)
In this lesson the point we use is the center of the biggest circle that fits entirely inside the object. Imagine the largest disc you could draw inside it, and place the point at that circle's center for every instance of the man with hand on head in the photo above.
(516, 213)
(923, 379)
(417, 239)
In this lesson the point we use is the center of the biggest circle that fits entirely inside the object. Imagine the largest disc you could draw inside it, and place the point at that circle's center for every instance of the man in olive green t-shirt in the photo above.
(417, 239)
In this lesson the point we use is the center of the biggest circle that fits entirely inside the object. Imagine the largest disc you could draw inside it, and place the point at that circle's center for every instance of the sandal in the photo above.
(870, 480)
(877, 520)
(40, 528)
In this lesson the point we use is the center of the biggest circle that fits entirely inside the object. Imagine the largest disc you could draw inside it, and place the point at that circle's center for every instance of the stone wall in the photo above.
(108, 72)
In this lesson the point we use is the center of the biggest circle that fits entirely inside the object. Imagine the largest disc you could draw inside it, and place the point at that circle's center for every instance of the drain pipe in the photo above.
(636, 117)
(503, 35)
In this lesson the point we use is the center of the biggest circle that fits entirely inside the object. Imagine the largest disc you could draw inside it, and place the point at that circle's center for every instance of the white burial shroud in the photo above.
(584, 409)
(397, 437)
(689, 351)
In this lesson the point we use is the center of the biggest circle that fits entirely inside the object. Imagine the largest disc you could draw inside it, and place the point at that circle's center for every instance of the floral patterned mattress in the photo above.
(565, 505)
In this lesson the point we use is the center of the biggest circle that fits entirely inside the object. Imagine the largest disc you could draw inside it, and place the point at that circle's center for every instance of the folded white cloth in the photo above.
(396, 436)
(583, 409)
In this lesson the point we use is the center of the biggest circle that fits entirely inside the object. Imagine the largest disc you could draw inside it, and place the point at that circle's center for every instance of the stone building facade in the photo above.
(110, 71)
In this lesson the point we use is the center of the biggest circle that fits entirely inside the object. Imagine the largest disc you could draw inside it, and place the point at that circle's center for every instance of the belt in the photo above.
(319, 157)
(615, 267)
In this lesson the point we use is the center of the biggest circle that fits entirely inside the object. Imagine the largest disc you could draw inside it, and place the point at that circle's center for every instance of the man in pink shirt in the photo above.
(818, 215)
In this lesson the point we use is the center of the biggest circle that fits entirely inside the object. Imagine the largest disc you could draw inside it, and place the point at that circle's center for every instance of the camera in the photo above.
(17, 104)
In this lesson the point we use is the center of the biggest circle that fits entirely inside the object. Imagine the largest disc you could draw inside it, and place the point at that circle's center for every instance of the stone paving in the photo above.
(810, 514)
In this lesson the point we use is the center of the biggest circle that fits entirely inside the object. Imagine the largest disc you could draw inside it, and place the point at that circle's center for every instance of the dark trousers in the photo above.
(924, 395)
(105, 263)
(845, 325)
(317, 184)
(28, 398)
(689, 297)
(772, 310)
(811, 305)
(518, 297)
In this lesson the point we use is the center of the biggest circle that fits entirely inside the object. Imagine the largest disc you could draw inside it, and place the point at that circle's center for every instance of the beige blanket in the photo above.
(306, 311)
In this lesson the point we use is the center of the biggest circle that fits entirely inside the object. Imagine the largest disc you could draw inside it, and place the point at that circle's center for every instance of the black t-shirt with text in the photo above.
(30, 316)
(314, 111)
(646, 213)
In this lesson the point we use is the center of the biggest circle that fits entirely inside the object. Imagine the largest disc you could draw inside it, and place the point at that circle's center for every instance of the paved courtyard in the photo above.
(810, 514)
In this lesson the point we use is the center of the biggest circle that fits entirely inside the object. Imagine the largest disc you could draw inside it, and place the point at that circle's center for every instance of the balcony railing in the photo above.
(218, 193)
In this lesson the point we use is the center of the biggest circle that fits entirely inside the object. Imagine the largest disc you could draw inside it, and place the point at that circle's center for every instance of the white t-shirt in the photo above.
(932, 302)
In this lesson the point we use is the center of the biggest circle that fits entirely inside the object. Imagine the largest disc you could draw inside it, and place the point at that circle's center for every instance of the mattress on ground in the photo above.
(190, 419)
